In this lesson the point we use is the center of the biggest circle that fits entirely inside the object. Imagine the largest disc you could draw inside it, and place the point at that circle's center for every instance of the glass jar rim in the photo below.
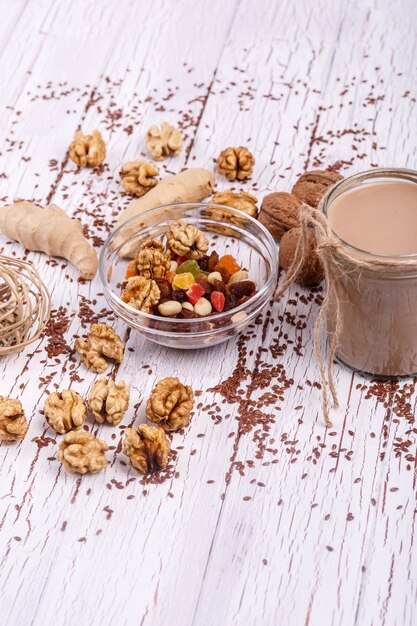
(393, 173)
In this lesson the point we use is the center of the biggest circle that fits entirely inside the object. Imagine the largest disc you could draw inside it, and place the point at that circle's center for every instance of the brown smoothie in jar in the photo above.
(379, 310)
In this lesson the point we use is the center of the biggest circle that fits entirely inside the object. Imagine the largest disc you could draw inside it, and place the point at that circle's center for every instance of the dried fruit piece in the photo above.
(138, 177)
(13, 423)
(65, 410)
(141, 293)
(80, 452)
(179, 295)
(102, 343)
(311, 186)
(165, 290)
(108, 401)
(190, 266)
(212, 261)
(183, 281)
(186, 239)
(311, 271)
(195, 292)
(164, 142)
(229, 263)
(170, 404)
(218, 300)
(147, 448)
(242, 288)
(87, 150)
(203, 280)
(230, 302)
(235, 163)
(152, 261)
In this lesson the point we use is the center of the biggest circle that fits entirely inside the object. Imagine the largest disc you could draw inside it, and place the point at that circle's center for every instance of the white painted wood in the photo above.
(327, 534)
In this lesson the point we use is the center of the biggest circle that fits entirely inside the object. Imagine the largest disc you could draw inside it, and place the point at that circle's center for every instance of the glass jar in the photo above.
(378, 308)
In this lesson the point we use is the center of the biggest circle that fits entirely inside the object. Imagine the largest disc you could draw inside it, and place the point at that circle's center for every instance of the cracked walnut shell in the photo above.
(13, 424)
(170, 404)
(141, 293)
(102, 343)
(242, 201)
(185, 239)
(152, 261)
(138, 177)
(87, 150)
(236, 163)
(164, 142)
(80, 452)
(108, 401)
(147, 448)
(65, 411)
(312, 186)
(280, 211)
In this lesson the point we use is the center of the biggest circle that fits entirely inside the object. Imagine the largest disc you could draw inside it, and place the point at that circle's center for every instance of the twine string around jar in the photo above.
(333, 255)
(24, 304)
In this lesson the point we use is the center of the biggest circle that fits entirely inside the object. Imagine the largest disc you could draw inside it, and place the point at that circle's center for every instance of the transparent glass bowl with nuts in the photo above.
(229, 231)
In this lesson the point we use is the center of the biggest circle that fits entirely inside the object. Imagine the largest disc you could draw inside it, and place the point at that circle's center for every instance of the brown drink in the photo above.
(375, 216)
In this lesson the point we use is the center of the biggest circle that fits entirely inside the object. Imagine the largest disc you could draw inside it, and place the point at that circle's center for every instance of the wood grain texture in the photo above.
(279, 523)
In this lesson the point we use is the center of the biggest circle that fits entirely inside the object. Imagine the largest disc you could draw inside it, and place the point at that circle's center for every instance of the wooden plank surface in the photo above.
(268, 518)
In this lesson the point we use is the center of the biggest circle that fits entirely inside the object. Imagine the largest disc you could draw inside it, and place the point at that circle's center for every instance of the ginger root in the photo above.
(49, 230)
(191, 185)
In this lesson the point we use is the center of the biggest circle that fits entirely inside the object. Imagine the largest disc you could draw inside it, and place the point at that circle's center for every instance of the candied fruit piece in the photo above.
(218, 299)
(170, 276)
(183, 281)
(131, 270)
(195, 292)
(189, 266)
(181, 259)
(227, 261)
(202, 280)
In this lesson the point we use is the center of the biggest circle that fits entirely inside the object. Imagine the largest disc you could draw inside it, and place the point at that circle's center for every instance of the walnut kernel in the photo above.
(164, 142)
(242, 201)
(87, 150)
(138, 177)
(152, 261)
(311, 271)
(65, 411)
(170, 404)
(80, 452)
(280, 212)
(236, 163)
(101, 342)
(108, 401)
(311, 186)
(13, 424)
(141, 293)
(185, 239)
(147, 448)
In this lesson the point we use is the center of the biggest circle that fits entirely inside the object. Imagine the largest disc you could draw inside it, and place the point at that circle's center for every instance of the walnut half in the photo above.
(13, 424)
(87, 150)
(141, 293)
(236, 163)
(185, 239)
(138, 177)
(102, 343)
(80, 452)
(164, 142)
(65, 411)
(170, 404)
(152, 261)
(108, 401)
(147, 448)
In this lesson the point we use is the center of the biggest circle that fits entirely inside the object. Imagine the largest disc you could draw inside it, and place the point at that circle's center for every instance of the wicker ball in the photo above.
(25, 304)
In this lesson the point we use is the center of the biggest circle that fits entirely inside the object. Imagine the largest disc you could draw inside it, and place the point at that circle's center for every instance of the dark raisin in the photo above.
(230, 302)
(203, 263)
(242, 288)
(179, 295)
(212, 261)
(165, 289)
(202, 280)
(218, 285)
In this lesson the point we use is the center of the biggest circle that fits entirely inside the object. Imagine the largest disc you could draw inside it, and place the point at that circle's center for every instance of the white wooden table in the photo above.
(282, 523)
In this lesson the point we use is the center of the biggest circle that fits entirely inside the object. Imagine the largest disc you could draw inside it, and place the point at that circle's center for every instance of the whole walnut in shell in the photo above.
(87, 150)
(102, 343)
(170, 404)
(185, 239)
(236, 163)
(242, 201)
(147, 448)
(279, 213)
(80, 452)
(164, 142)
(311, 271)
(312, 186)
(108, 401)
(152, 261)
(65, 411)
(13, 424)
(141, 293)
(138, 177)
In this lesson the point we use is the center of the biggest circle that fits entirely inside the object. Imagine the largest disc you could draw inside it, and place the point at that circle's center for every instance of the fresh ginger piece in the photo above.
(49, 230)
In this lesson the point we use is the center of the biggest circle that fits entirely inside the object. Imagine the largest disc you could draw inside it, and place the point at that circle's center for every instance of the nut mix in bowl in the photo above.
(174, 243)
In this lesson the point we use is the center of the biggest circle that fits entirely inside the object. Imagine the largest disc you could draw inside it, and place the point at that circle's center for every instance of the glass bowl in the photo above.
(229, 232)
